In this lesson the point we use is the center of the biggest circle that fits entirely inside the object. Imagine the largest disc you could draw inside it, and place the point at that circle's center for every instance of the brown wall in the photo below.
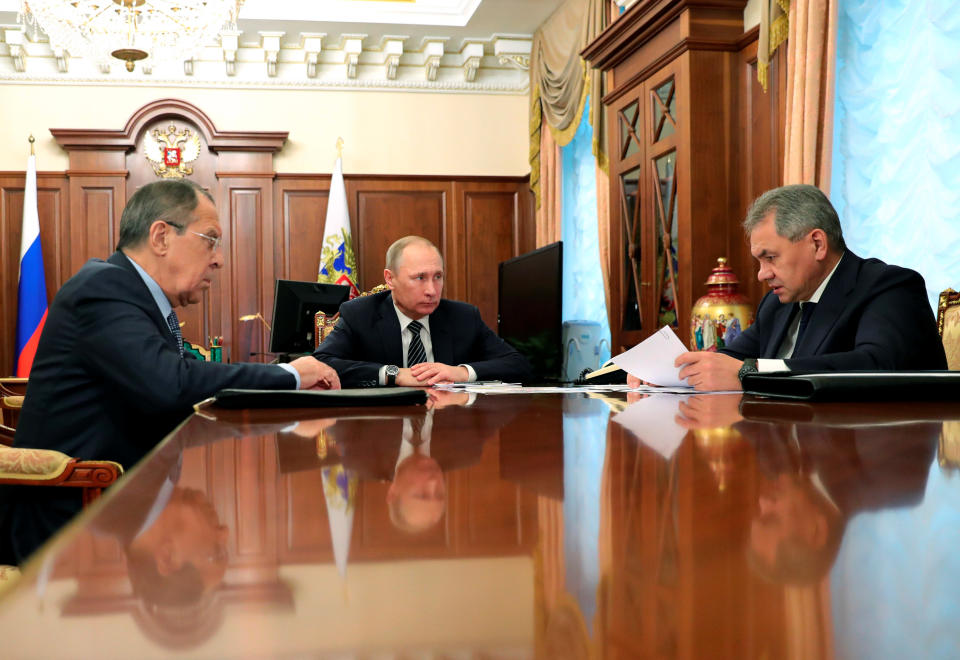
(475, 221)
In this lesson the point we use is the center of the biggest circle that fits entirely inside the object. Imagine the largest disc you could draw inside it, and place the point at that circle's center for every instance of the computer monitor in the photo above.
(294, 306)
(530, 309)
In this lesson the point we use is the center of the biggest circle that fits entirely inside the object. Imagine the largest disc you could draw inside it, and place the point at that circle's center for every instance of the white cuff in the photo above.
(471, 374)
(286, 367)
(766, 366)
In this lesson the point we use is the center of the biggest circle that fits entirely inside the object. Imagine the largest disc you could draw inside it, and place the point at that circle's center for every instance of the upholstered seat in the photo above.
(323, 324)
(948, 322)
(46, 467)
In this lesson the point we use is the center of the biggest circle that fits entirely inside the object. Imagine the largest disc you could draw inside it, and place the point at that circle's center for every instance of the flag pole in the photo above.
(31, 140)
(339, 147)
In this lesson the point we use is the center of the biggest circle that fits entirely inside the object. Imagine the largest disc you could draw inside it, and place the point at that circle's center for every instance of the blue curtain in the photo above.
(896, 160)
(583, 292)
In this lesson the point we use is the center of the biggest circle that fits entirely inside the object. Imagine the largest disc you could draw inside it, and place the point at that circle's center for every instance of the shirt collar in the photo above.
(815, 298)
(158, 296)
(406, 320)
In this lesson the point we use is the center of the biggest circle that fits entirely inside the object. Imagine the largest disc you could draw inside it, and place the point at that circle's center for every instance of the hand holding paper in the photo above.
(652, 360)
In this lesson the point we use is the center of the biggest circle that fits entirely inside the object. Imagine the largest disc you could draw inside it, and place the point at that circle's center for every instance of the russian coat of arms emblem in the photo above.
(170, 152)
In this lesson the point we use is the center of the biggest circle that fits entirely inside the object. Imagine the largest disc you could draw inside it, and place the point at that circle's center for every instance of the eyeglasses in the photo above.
(215, 241)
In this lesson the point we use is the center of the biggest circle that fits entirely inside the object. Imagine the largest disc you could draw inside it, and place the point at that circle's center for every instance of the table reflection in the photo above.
(551, 526)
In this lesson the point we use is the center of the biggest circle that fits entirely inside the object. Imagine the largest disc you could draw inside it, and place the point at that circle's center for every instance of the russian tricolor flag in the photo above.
(32, 290)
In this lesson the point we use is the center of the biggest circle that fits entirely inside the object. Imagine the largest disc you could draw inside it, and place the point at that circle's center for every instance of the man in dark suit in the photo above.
(828, 309)
(411, 336)
(110, 372)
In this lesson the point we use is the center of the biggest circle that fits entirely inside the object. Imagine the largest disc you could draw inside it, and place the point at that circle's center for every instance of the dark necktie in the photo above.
(174, 323)
(416, 353)
(806, 311)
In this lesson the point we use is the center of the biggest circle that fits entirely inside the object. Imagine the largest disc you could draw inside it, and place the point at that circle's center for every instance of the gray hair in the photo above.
(396, 250)
(798, 209)
(169, 201)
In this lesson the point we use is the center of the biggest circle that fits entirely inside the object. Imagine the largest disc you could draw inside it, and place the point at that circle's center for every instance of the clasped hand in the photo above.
(431, 373)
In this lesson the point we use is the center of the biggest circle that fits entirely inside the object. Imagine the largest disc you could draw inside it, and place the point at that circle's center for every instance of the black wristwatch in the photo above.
(749, 367)
(392, 371)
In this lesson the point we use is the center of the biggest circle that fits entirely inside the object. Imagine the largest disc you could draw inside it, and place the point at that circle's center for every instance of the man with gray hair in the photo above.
(110, 377)
(412, 336)
(827, 310)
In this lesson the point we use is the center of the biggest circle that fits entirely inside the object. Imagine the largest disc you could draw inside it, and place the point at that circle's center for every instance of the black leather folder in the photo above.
(379, 396)
(857, 385)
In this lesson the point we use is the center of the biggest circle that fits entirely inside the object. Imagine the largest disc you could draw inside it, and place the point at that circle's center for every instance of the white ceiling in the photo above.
(504, 28)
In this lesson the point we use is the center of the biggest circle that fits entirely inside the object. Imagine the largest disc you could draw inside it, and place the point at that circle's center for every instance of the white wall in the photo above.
(384, 132)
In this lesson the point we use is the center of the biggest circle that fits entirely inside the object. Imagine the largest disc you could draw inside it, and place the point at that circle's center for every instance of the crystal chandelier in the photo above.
(131, 30)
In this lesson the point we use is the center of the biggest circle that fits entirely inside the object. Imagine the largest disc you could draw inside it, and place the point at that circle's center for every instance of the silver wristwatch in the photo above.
(392, 371)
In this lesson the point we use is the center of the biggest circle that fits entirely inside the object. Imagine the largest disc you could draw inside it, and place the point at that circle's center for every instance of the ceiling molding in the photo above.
(345, 61)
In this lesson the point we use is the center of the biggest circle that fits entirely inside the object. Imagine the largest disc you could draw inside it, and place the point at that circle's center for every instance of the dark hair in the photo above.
(799, 209)
(170, 201)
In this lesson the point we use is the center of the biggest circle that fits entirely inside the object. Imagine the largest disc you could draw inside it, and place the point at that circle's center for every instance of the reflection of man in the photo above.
(109, 370)
(417, 496)
(411, 336)
(181, 554)
(817, 477)
(828, 309)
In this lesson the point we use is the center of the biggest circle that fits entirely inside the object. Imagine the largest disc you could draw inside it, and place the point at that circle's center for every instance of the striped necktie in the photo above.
(174, 324)
(416, 353)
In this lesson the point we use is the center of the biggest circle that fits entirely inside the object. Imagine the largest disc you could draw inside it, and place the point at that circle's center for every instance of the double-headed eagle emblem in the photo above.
(170, 152)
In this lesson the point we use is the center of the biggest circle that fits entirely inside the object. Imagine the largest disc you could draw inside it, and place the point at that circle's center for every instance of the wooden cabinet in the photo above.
(672, 114)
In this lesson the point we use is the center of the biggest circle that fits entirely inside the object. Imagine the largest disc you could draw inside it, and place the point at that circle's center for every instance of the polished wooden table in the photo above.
(550, 526)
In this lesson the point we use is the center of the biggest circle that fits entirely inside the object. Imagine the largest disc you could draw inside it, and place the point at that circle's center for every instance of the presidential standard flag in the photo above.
(32, 289)
(338, 264)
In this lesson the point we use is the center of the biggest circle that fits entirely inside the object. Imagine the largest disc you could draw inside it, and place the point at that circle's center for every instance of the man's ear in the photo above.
(159, 237)
(388, 277)
(819, 239)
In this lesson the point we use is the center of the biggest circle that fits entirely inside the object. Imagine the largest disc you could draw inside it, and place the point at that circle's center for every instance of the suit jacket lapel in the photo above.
(440, 338)
(781, 321)
(389, 328)
(118, 258)
(831, 306)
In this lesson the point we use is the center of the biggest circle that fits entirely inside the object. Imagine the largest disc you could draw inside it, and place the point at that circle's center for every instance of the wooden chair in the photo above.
(948, 323)
(11, 400)
(323, 324)
(47, 467)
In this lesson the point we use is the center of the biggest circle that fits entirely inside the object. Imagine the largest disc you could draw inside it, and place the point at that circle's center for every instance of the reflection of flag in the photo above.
(338, 264)
(32, 290)
(340, 491)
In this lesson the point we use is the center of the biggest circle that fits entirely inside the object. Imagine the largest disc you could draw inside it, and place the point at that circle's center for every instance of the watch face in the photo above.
(392, 370)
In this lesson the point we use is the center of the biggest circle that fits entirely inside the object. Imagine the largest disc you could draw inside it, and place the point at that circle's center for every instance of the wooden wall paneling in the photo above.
(51, 209)
(759, 154)
(388, 209)
(96, 204)
(300, 213)
(246, 284)
(492, 215)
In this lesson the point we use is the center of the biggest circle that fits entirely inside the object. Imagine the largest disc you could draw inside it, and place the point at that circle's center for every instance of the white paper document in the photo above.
(652, 359)
(652, 420)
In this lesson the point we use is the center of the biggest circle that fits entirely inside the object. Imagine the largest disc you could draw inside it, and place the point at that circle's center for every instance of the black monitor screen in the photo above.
(294, 306)
(530, 312)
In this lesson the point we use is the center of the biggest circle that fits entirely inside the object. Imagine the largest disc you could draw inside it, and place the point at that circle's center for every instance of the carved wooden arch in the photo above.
(125, 139)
